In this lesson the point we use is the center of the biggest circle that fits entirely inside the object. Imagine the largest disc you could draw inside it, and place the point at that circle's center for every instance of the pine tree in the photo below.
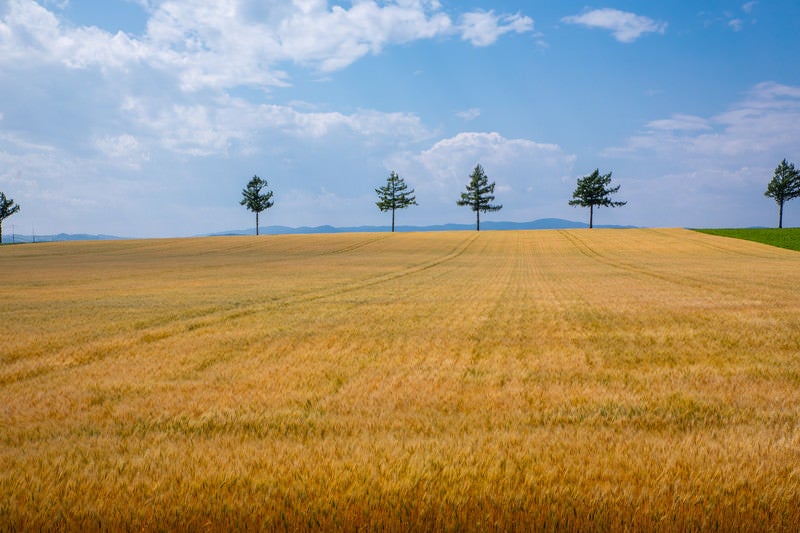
(7, 208)
(593, 190)
(784, 186)
(479, 195)
(254, 200)
(395, 195)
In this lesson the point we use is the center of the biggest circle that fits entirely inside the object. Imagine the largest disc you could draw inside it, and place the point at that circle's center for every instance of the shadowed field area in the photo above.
(603, 379)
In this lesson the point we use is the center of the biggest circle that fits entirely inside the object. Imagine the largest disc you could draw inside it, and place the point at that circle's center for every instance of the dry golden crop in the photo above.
(570, 380)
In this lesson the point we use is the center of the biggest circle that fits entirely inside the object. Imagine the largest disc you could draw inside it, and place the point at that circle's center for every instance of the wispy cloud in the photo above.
(732, 20)
(715, 167)
(469, 114)
(482, 28)
(680, 123)
(625, 26)
(702, 171)
(766, 122)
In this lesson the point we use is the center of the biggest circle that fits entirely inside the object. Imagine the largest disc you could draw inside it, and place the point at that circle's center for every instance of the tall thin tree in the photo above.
(395, 195)
(479, 195)
(7, 208)
(254, 200)
(594, 191)
(784, 186)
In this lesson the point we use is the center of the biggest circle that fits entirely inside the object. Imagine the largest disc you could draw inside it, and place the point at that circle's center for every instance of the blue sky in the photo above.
(145, 118)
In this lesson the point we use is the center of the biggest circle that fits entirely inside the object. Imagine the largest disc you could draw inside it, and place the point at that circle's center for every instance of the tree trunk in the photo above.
(780, 216)
(392, 220)
(256, 222)
(591, 215)
(1, 232)
(478, 220)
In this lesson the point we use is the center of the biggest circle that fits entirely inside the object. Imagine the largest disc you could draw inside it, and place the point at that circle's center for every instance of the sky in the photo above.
(146, 118)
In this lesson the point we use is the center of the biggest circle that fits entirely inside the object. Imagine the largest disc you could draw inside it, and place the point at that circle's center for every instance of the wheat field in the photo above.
(542, 380)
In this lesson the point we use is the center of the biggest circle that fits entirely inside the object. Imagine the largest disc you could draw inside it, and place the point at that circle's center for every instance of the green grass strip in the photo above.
(782, 238)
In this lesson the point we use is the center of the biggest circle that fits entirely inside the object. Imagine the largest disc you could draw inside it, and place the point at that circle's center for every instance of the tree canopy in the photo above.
(254, 200)
(7, 208)
(594, 191)
(784, 186)
(395, 195)
(479, 195)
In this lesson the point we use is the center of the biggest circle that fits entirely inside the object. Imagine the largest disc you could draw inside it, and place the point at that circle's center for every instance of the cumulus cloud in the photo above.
(626, 27)
(230, 43)
(234, 43)
(30, 36)
(529, 174)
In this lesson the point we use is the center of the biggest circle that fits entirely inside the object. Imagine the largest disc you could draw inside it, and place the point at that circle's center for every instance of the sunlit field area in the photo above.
(571, 380)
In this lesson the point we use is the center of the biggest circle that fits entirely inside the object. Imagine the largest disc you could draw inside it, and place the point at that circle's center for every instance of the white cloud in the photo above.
(233, 43)
(680, 123)
(30, 35)
(626, 27)
(702, 197)
(213, 127)
(767, 121)
(529, 174)
(729, 18)
(467, 114)
(125, 148)
(712, 171)
(15, 142)
(332, 39)
(736, 24)
(52, 184)
(482, 28)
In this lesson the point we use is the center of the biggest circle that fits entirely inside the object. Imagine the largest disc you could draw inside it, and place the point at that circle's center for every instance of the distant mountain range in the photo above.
(19, 239)
(542, 223)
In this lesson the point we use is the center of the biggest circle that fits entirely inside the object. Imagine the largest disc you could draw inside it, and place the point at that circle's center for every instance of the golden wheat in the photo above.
(570, 380)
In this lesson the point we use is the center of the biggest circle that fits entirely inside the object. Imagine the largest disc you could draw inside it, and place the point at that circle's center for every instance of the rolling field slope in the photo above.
(603, 379)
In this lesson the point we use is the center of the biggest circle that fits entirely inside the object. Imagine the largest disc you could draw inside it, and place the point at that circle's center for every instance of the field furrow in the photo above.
(578, 380)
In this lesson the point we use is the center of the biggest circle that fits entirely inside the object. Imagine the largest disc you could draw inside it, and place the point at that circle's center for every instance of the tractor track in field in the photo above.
(518, 276)
(383, 278)
(682, 280)
(101, 349)
(356, 246)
